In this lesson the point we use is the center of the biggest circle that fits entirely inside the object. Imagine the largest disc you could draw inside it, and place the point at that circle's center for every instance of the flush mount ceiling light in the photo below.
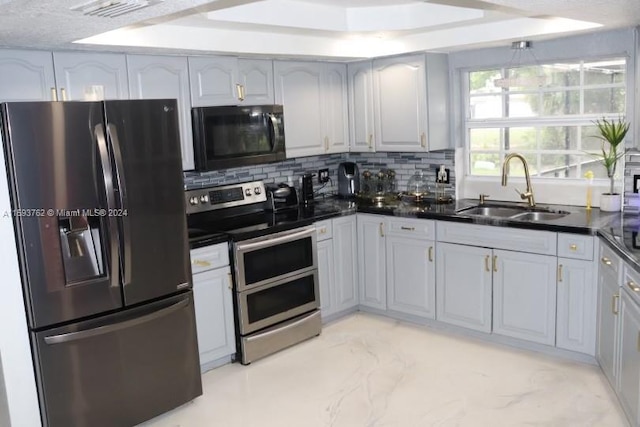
(112, 8)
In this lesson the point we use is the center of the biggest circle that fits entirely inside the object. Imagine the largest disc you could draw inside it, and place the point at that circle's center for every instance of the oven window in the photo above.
(277, 260)
(281, 298)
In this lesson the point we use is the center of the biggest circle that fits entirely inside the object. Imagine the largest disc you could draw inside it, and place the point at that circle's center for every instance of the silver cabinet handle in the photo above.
(381, 229)
(606, 261)
(614, 304)
(230, 283)
(326, 143)
(370, 140)
(423, 140)
(63, 93)
(239, 92)
(495, 263)
(486, 263)
(633, 286)
(200, 263)
(407, 228)
(430, 253)
(54, 94)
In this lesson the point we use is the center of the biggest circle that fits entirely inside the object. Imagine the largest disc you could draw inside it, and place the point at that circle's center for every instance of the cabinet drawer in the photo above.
(608, 261)
(632, 282)
(209, 257)
(514, 239)
(575, 246)
(416, 228)
(324, 230)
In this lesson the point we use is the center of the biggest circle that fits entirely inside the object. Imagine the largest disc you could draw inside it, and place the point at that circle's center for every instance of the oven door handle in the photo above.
(245, 247)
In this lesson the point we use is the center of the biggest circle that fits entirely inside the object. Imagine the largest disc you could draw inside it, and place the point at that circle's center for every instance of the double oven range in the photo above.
(274, 255)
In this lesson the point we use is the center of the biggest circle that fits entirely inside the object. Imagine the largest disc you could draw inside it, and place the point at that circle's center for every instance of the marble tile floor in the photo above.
(367, 370)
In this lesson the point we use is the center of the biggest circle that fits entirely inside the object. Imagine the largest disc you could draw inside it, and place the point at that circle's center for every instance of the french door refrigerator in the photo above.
(98, 209)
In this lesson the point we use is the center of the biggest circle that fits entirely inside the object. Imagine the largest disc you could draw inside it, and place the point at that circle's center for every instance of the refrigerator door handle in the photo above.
(107, 173)
(101, 330)
(112, 132)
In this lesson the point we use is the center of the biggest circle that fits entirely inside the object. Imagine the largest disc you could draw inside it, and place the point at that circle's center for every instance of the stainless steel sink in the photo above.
(539, 216)
(497, 211)
(514, 212)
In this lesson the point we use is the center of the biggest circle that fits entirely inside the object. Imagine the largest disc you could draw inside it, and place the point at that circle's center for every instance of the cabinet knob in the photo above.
(573, 247)
(606, 260)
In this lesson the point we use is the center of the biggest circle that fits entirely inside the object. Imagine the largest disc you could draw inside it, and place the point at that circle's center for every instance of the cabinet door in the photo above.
(26, 76)
(400, 103)
(336, 116)
(607, 326)
(371, 261)
(524, 296)
(438, 137)
(256, 77)
(464, 285)
(326, 278)
(90, 76)
(576, 314)
(345, 261)
(361, 127)
(411, 276)
(157, 77)
(629, 357)
(214, 314)
(213, 80)
(298, 87)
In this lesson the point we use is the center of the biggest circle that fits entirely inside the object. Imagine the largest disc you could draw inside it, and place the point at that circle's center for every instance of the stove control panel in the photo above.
(224, 196)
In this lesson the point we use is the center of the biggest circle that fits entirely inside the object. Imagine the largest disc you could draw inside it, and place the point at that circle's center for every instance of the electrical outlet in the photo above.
(323, 175)
(442, 179)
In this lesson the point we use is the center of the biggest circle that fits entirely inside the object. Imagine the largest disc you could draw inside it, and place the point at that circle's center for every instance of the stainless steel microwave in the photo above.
(232, 136)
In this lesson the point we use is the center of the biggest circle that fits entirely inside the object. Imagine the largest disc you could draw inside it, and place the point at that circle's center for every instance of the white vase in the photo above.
(610, 202)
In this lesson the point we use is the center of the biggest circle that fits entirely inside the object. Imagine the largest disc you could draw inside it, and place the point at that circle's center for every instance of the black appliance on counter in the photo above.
(96, 188)
(274, 256)
(231, 136)
(306, 188)
(348, 180)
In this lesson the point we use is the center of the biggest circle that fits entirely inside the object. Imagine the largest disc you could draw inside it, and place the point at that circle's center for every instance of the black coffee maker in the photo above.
(348, 180)
(306, 189)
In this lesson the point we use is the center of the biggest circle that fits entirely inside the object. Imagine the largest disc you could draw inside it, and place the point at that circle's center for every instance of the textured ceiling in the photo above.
(52, 25)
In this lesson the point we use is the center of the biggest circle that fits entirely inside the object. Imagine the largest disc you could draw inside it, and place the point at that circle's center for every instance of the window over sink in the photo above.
(545, 112)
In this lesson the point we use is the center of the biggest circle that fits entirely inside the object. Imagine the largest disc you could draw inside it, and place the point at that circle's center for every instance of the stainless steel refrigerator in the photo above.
(97, 193)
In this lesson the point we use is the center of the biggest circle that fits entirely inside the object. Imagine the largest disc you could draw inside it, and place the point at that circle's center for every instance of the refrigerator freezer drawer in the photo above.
(120, 369)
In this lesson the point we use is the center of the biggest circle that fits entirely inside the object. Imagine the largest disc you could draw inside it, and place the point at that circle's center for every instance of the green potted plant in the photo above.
(612, 134)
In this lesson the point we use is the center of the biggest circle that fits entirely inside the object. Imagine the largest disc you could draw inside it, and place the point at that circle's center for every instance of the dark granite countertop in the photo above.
(621, 232)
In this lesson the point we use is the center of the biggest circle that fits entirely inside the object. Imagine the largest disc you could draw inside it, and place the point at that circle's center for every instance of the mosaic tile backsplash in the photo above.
(405, 165)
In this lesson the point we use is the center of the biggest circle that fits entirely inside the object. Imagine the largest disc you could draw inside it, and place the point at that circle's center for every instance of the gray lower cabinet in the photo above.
(609, 279)
(411, 272)
(213, 296)
(337, 265)
(629, 391)
(372, 261)
(464, 285)
(524, 296)
(159, 77)
(576, 306)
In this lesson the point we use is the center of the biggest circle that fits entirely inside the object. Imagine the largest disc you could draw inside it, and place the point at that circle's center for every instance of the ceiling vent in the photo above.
(113, 8)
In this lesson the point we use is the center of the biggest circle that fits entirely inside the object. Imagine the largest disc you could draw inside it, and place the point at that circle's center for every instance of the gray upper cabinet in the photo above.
(226, 80)
(410, 97)
(256, 79)
(159, 77)
(314, 97)
(362, 128)
(90, 76)
(26, 76)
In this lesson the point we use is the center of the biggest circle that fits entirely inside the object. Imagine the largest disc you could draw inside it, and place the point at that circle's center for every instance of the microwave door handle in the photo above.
(107, 173)
(273, 120)
(112, 132)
